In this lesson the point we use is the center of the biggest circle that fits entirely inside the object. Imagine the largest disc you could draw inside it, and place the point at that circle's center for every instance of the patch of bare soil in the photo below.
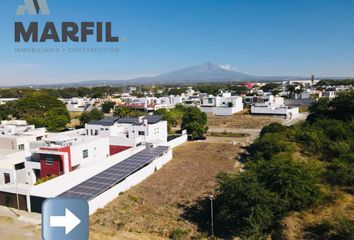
(152, 209)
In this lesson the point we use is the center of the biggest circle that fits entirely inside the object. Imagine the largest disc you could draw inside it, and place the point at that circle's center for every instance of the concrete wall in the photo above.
(275, 111)
(222, 111)
(106, 197)
(177, 141)
(11, 172)
(8, 143)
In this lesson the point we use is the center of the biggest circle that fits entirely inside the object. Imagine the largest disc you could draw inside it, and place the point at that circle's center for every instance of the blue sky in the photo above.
(260, 37)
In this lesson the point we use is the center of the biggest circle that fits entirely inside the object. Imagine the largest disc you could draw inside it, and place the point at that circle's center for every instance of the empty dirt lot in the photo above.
(153, 209)
(241, 121)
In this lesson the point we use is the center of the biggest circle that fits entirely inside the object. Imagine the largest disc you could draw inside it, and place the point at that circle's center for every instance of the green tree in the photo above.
(108, 106)
(167, 116)
(194, 121)
(269, 87)
(268, 145)
(273, 128)
(85, 117)
(56, 119)
(245, 206)
(294, 182)
(319, 109)
(341, 171)
(342, 107)
(127, 112)
(94, 114)
(36, 107)
(4, 112)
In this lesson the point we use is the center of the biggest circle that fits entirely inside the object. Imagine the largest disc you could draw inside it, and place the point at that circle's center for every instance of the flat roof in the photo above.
(65, 182)
(8, 151)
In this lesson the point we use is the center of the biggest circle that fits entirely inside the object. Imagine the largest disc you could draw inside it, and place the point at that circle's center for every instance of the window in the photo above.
(96, 132)
(210, 100)
(20, 166)
(21, 147)
(49, 161)
(85, 154)
(7, 178)
(37, 172)
(141, 133)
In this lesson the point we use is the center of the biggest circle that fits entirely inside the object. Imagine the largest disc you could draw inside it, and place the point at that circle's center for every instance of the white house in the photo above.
(77, 104)
(221, 105)
(329, 94)
(18, 135)
(7, 100)
(62, 153)
(12, 166)
(270, 105)
(124, 133)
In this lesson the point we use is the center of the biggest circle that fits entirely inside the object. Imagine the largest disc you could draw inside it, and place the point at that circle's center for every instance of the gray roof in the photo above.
(108, 121)
(153, 119)
(130, 120)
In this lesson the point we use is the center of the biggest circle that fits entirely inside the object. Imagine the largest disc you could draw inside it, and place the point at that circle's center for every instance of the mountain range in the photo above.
(207, 72)
(204, 73)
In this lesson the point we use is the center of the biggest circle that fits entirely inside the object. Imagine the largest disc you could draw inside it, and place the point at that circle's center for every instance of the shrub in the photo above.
(242, 200)
(273, 128)
(178, 233)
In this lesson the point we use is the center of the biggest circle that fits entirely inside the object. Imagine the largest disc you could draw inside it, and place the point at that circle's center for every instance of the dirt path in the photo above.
(13, 229)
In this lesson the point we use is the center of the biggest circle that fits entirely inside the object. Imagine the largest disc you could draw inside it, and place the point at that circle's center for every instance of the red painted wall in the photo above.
(58, 164)
(114, 149)
(52, 169)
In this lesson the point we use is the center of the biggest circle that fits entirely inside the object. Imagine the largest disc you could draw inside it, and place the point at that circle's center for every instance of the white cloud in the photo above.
(227, 67)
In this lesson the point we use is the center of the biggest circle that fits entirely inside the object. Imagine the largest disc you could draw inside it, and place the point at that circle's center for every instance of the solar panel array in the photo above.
(108, 121)
(105, 180)
(152, 119)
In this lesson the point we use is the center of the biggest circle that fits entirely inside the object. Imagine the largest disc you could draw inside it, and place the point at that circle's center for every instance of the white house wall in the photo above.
(97, 149)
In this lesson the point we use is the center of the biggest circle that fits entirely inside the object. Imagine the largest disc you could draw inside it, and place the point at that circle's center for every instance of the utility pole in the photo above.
(18, 201)
(211, 197)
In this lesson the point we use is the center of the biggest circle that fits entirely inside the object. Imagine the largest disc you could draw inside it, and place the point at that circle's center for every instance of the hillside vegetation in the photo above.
(300, 171)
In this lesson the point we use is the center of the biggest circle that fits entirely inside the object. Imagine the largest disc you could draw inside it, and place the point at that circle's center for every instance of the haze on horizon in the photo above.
(264, 38)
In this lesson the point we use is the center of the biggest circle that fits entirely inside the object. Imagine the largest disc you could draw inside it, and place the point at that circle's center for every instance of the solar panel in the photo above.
(129, 120)
(152, 119)
(110, 177)
(108, 121)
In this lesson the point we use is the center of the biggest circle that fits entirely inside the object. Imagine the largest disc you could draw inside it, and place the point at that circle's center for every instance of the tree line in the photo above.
(276, 182)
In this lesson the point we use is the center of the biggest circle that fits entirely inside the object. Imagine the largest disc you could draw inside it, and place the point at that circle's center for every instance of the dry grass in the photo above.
(13, 229)
(241, 121)
(75, 115)
(341, 206)
(228, 134)
(151, 210)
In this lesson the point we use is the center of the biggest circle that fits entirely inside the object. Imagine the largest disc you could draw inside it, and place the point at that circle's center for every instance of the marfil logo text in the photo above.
(69, 31)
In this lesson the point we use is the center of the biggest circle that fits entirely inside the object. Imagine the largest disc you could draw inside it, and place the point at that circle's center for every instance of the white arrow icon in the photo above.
(69, 221)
